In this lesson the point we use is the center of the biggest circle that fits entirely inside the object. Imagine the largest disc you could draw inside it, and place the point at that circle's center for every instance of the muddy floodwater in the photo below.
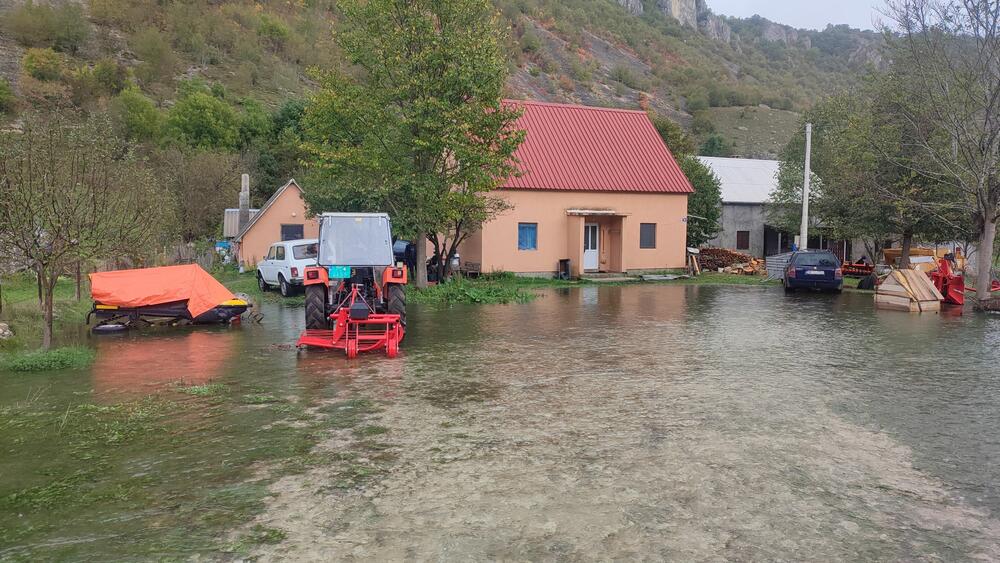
(598, 423)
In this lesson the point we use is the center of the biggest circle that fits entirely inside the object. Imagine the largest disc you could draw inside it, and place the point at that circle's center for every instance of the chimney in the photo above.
(244, 201)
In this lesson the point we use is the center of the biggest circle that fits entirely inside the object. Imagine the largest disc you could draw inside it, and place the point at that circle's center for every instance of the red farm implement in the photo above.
(355, 296)
(357, 328)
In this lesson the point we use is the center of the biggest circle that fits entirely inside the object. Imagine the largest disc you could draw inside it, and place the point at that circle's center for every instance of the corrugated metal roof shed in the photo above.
(570, 147)
(744, 180)
(231, 222)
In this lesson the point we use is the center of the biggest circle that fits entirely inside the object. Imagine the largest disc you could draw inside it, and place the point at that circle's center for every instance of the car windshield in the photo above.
(816, 259)
(305, 251)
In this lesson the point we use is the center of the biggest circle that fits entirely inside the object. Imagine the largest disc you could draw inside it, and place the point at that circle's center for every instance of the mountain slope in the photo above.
(673, 57)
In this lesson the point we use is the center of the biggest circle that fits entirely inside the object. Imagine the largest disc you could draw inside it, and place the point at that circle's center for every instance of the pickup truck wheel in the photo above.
(396, 298)
(261, 283)
(284, 287)
(316, 317)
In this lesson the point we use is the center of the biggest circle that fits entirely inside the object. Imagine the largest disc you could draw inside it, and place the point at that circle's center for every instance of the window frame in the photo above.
(747, 245)
(300, 230)
(641, 245)
(534, 226)
(279, 252)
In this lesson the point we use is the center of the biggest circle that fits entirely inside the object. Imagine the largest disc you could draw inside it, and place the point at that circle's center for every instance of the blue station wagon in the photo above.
(816, 269)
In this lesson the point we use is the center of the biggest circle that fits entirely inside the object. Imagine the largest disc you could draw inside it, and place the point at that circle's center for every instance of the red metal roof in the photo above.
(570, 147)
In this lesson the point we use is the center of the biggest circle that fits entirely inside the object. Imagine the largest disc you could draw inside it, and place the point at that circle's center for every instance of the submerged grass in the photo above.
(76, 357)
(171, 471)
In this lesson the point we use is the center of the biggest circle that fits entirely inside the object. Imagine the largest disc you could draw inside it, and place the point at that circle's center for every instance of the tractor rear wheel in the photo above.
(396, 299)
(316, 317)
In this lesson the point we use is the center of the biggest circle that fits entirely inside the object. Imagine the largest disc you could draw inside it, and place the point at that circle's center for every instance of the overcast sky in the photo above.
(813, 14)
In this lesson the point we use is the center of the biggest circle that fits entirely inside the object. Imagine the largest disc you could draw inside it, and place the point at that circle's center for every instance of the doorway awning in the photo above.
(595, 213)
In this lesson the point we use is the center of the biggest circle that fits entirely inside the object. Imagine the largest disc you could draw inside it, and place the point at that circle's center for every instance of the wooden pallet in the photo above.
(908, 290)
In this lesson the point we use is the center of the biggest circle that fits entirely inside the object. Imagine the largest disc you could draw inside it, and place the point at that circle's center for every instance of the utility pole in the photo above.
(804, 228)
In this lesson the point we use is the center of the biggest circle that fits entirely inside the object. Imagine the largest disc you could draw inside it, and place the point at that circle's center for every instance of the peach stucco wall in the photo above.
(288, 209)
(561, 235)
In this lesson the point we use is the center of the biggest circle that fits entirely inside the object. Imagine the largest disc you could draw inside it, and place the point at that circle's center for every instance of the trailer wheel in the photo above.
(316, 317)
(397, 301)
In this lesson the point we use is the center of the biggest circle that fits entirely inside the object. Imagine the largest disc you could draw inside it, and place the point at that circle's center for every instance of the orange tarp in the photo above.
(155, 286)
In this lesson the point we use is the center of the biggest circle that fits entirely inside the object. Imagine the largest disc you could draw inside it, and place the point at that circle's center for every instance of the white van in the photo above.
(285, 264)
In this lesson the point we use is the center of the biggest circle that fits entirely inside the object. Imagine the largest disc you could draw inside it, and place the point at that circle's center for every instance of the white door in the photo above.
(590, 256)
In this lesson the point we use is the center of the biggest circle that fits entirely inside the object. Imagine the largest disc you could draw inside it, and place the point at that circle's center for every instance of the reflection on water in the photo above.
(138, 363)
(675, 422)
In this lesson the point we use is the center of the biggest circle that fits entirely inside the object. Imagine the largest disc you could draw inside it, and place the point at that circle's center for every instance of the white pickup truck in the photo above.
(285, 264)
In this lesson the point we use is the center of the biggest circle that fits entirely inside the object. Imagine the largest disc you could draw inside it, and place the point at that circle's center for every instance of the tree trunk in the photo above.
(38, 279)
(421, 266)
(47, 297)
(904, 256)
(984, 266)
(78, 281)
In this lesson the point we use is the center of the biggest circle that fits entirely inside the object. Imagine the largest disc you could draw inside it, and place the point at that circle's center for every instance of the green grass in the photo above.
(48, 360)
(756, 132)
(22, 313)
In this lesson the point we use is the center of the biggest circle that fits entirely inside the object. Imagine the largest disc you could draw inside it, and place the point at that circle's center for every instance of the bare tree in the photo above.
(947, 53)
(70, 191)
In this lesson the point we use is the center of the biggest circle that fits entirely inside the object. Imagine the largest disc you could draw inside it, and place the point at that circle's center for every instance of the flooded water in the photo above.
(596, 423)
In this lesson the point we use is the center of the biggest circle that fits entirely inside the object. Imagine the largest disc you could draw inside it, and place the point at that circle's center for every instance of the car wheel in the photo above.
(284, 287)
(788, 289)
(261, 283)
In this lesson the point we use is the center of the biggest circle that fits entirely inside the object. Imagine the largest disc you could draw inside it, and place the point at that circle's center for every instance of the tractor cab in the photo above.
(355, 295)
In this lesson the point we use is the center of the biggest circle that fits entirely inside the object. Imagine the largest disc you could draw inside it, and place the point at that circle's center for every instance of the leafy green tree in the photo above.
(715, 145)
(255, 123)
(136, 115)
(945, 53)
(73, 192)
(201, 120)
(677, 140)
(705, 204)
(421, 133)
(864, 186)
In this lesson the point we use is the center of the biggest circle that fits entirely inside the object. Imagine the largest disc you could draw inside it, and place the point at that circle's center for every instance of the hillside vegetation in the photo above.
(246, 60)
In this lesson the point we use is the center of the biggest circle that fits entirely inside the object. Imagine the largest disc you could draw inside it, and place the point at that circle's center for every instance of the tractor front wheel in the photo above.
(316, 317)
(396, 299)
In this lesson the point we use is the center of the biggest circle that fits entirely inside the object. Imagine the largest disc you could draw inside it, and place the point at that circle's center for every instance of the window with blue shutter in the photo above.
(527, 236)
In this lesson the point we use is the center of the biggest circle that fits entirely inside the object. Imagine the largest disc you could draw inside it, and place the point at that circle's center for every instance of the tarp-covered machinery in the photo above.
(355, 296)
(168, 294)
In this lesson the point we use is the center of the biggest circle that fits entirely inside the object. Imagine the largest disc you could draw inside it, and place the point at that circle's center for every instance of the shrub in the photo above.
(158, 58)
(203, 121)
(43, 64)
(49, 360)
(106, 78)
(530, 43)
(273, 31)
(7, 98)
(63, 27)
(137, 115)
(715, 145)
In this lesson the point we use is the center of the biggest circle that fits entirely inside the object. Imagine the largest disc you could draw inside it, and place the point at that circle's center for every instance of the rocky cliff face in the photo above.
(633, 6)
(684, 11)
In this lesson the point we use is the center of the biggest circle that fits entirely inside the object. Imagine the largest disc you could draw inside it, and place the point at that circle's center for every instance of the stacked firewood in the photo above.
(730, 262)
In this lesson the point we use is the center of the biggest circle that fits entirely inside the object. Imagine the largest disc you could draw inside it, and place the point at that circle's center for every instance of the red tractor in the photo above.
(355, 295)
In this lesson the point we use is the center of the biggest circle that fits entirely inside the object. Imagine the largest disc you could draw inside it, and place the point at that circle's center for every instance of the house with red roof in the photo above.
(597, 186)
